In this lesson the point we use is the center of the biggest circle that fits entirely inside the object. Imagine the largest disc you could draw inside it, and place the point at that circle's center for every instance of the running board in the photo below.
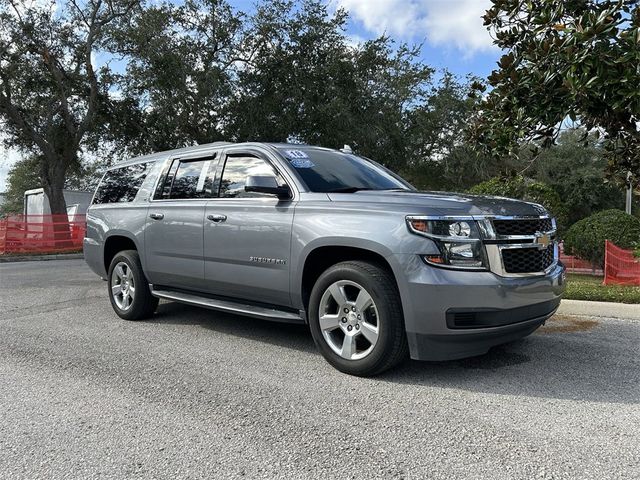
(229, 306)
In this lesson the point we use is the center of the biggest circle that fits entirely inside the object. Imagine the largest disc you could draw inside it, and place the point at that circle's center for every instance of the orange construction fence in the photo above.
(621, 267)
(41, 233)
(578, 265)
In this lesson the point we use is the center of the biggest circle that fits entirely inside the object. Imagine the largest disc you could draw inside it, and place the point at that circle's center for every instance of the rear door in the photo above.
(247, 235)
(174, 228)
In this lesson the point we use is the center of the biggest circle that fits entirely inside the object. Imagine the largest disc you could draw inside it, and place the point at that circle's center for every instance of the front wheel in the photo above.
(129, 290)
(356, 318)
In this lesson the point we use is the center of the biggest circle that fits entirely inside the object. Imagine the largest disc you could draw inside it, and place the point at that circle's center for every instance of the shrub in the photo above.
(586, 237)
(524, 189)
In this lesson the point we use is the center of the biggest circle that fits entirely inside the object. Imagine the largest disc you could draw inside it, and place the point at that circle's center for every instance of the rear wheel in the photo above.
(356, 318)
(129, 290)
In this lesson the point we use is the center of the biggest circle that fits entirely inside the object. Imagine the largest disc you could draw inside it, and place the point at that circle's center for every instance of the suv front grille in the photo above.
(522, 226)
(527, 260)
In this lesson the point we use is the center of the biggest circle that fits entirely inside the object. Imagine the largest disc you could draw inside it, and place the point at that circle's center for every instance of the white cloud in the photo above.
(354, 40)
(7, 159)
(456, 23)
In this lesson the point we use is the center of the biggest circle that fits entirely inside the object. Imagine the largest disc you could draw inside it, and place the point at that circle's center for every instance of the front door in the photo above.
(174, 229)
(247, 235)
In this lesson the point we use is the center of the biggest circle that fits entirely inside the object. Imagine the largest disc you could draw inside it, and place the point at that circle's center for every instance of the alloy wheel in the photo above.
(123, 288)
(349, 320)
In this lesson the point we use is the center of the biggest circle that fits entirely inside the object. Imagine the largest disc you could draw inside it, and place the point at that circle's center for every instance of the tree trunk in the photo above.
(57, 203)
(53, 177)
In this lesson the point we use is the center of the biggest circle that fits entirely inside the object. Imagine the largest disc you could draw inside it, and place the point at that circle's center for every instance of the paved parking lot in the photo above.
(198, 394)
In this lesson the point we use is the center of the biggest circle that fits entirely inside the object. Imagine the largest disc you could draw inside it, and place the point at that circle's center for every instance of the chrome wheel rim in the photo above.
(349, 320)
(123, 288)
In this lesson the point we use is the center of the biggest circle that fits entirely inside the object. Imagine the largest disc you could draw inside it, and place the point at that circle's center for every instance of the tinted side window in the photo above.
(236, 170)
(121, 184)
(187, 179)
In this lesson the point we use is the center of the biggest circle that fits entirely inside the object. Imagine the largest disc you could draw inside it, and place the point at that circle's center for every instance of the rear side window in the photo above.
(236, 170)
(187, 179)
(121, 184)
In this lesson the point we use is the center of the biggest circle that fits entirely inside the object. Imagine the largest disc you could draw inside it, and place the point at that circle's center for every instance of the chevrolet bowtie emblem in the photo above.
(542, 240)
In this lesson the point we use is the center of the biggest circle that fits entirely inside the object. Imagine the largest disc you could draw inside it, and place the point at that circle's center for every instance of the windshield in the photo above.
(331, 171)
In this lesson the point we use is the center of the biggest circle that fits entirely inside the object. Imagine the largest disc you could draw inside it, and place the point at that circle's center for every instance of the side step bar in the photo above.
(230, 306)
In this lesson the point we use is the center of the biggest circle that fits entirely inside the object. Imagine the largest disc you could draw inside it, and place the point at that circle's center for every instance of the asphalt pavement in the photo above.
(198, 394)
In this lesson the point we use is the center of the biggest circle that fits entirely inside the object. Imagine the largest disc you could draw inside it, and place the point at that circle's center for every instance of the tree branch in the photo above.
(14, 114)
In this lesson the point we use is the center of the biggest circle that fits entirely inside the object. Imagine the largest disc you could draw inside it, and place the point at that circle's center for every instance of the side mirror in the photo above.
(266, 184)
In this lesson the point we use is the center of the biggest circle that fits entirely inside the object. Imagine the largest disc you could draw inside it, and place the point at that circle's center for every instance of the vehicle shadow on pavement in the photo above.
(296, 337)
(600, 363)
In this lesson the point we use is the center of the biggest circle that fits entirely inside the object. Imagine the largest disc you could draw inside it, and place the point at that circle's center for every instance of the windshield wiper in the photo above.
(348, 189)
(359, 189)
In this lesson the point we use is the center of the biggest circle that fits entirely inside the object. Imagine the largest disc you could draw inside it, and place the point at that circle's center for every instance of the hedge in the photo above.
(586, 237)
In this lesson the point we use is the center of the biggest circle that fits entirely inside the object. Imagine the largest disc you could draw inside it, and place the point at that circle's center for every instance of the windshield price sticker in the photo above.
(295, 154)
(298, 159)
(301, 163)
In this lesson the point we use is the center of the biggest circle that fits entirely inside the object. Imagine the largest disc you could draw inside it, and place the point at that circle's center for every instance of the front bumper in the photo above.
(453, 314)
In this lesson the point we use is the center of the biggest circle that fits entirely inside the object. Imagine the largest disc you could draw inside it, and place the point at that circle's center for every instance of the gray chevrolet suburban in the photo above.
(310, 235)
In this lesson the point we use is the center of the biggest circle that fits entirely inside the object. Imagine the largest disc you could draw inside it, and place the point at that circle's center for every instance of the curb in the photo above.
(600, 309)
(34, 258)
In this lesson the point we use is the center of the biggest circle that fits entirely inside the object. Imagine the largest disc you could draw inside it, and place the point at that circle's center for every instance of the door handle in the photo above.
(157, 216)
(218, 218)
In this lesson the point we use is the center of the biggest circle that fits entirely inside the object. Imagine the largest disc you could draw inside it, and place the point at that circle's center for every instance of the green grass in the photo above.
(587, 287)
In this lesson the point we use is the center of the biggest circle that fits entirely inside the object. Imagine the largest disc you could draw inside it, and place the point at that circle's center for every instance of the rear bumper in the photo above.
(455, 314)
(93, 255)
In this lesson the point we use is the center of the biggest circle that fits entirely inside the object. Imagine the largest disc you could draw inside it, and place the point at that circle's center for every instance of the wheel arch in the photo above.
(320, 256)
(117, 242)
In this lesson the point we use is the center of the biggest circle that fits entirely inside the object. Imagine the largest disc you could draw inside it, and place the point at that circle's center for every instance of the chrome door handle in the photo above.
(157, 216)
(217, 218)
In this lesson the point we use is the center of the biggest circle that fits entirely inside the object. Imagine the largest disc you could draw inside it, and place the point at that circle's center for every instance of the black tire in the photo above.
(391, 346)
(143, 304)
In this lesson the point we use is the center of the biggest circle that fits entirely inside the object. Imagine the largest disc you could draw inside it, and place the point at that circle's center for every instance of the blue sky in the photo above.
(450, 31)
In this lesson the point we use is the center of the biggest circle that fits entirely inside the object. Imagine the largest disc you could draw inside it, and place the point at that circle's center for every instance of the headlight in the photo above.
(457, 238)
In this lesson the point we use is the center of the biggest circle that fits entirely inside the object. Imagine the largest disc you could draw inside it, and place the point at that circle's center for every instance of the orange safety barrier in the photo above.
(620, 266)
(41, 233)
(577, 265)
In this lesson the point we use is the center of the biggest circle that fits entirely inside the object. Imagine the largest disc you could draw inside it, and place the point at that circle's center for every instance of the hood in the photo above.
(439, 203)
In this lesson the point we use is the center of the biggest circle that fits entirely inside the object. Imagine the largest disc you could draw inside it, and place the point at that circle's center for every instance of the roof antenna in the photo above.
(346, 149)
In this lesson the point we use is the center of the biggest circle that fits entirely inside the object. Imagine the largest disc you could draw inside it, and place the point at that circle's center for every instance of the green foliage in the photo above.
(588, 287)
(586, 238)
(574, 59)
(202, 71)
(575, 169)
(51, 91)
(22, 176)
(524, 189)
(181, 64)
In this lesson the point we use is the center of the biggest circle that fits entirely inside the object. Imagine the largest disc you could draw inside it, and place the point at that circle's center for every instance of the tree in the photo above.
(525, 189)
(19, 179)
(307, 83)
(51, 91)
(575, 59)
(182, 61)
(441, 157)
(202, 72)
(575, 169)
